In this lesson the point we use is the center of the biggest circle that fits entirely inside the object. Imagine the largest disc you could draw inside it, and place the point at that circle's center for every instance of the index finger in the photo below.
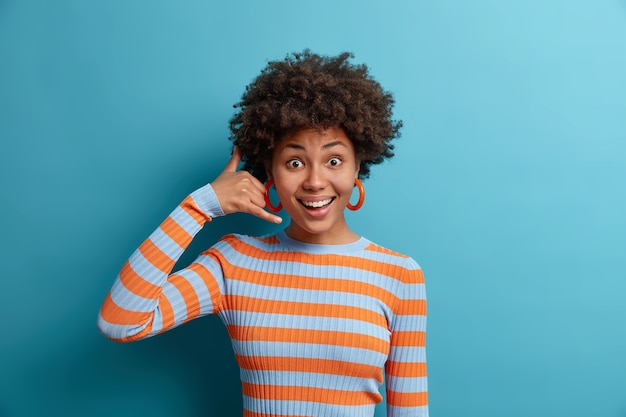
(234, 160)
(265, 215)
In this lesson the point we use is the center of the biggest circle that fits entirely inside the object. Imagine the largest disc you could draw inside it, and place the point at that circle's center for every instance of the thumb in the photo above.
(233, 163)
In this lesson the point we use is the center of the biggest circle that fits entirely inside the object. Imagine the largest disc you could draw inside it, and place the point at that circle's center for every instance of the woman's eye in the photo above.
(294, 163)
(334, 162)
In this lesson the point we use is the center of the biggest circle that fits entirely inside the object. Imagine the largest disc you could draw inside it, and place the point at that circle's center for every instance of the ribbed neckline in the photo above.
(314, 248)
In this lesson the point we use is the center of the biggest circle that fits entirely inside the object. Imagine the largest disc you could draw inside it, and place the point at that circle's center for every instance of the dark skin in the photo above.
(240, 192)
(314, 173)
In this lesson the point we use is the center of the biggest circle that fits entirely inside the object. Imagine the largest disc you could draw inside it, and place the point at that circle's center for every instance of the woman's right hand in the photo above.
(239, 191)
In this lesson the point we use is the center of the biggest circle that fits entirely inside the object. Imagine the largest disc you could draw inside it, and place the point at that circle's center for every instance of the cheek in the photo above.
(348, 190)
(284, 187)
(344, 189)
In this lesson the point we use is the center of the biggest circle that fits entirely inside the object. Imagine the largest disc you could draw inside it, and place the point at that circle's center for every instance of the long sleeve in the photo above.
(405, 370)
(146, 298)
(312, 326)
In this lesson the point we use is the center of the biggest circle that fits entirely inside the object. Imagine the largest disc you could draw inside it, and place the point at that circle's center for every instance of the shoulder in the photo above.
(246, 244)
(407, 269)
(391, 256)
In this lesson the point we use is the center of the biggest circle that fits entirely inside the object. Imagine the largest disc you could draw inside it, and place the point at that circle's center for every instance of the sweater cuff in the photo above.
(206, 200)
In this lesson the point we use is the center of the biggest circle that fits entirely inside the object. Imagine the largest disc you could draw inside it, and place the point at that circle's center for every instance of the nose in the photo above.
(315, 179)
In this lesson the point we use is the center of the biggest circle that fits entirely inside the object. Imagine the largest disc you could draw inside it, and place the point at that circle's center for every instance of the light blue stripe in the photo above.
(117, 331)
(166, 244)
(184, 220)
(206, 200)
(306, 408)
(214, 268)
(398, 259)
(407, 411)
(122, 296)
(306, 322)
(177, 302)
(290, 245)
(346, 273)
(309, 379)
(200, 288)
(408, 354)
(410, 323)
(413, 292)
(312, 271)
(157, 322)
(398, 384)
(265, 247)
(243, 288)
(310, 351)
(146, 270)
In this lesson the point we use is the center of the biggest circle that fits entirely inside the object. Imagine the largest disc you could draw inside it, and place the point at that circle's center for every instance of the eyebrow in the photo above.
(332, 144)
(325, 146)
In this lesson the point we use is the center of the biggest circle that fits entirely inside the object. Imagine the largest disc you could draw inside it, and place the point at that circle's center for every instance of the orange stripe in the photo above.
(247, 413)
(412, 308)
(271, 240)
(307, 283)
(192, 303)
(142, 334)
(375, 248)
(211, 284)
(319, 337)
(258, 305)
(190, 207)
(408, 338)
(320, 395)
(186, 290)
(419, 279)
(176, 232)
(312, 365)
(156, 256)
(114, 314)
(136, 284)
(406, 369)
(134, 337)
(407, 399)
(388, 269)
(167, 313)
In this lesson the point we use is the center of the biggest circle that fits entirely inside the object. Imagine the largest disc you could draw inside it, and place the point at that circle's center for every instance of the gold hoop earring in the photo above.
(268, 202)
(359, 203)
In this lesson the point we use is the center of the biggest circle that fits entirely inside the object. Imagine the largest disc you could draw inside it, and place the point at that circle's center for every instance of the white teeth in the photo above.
(317, 204)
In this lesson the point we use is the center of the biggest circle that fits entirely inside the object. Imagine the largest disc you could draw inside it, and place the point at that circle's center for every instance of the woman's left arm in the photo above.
(405, 370)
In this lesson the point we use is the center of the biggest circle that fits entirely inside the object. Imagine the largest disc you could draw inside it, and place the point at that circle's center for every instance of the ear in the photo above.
(358, 168)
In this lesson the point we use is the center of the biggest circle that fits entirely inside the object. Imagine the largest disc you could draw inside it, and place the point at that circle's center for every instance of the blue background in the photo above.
(508, 188)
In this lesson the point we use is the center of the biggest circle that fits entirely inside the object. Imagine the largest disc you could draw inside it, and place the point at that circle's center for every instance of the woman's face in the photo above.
(314, 174)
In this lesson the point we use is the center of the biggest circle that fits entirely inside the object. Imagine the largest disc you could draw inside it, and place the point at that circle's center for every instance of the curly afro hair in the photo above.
(306, 90)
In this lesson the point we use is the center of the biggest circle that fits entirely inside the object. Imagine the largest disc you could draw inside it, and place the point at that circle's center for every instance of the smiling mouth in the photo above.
(313, 205)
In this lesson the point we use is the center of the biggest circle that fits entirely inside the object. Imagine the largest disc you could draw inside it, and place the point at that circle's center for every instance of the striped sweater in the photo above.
(312, 326)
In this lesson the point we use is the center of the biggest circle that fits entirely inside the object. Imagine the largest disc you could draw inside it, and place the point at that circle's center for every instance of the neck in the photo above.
(337, 236)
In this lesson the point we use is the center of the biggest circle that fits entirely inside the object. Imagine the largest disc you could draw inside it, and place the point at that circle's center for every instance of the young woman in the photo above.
(315, 312)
